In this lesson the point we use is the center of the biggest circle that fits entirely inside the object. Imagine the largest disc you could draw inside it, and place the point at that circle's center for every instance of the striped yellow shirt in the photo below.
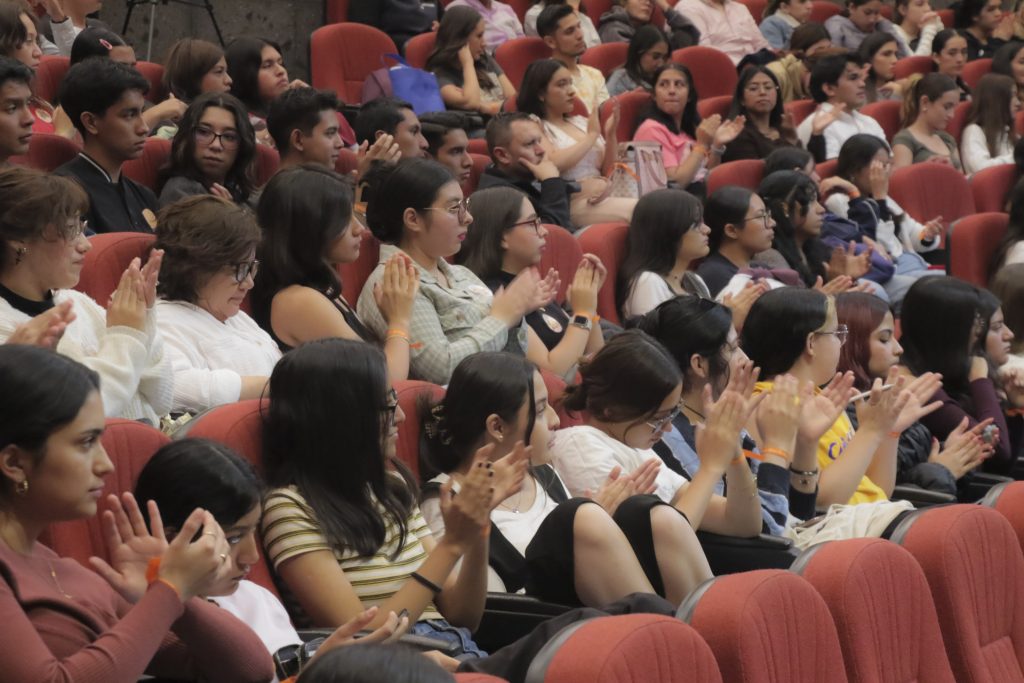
(290, 529)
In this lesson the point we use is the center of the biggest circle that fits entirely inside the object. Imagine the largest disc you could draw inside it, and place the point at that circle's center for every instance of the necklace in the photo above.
(56, 581)
(686, 407)
(514, 508)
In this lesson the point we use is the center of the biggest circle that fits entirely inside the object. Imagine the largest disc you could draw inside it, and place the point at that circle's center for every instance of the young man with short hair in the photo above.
(395, 117)
(104, 100)
(514, 141)
(304, 125)
(15, 116)
(559, 27)
(837, 84)
(447, 142)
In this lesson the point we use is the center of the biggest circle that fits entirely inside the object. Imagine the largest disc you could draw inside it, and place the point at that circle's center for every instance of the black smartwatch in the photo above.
(582, 321)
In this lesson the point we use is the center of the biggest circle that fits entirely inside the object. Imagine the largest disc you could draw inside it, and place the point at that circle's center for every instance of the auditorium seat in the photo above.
(343, 55)
(106, 261)
(709, 106)
(562, 252)
(915, 64)
(800, 109)
(354, 275)
(47, 152)
(49, 74)
(826, 169)
(267, 163)
(887, 113)
(956, 124)
(154, 73)
(631, 105)
(515, 55)
(974, 70)
(713, 72)
(822, 10)
(145, 170)
(926, 191)
(742, 172)
(606, 57)
(1008, 500)
(418, 49)
(971, 244)
(411, 395)
(480, 164)
(608, 242)
(991, 186)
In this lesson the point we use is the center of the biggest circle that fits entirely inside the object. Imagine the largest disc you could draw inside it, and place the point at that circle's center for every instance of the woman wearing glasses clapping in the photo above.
(212, 153)
(220, 355)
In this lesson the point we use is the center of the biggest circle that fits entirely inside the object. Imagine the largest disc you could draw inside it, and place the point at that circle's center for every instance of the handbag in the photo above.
(639, 168)
(416, 86)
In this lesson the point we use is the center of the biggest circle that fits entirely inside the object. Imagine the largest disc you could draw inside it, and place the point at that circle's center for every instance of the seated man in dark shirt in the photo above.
(104, 100)
(15, 116)
(400, 19)
(514, 141)
(304, 125)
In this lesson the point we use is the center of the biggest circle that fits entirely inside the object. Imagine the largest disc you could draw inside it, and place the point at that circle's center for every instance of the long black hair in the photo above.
(691, 117)
(393, 188)
(788, 195)
(660, 220)
(302, 210)
(737, 107)
(495, 211)
(1014, 229)
(726, 206)
(534, 86)
(43, 392)
(457, 25)
(240, 179)
(484, 384)
(244, 57)
(775, 331)
(646, 37)
(324, 434)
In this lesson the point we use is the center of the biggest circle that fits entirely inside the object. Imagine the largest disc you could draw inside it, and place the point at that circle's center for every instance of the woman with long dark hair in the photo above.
(648, 51)
(741, 227)
(792, 199)
(927, 110)
(990, 135)
(1011, 247)
(1009, 61)
(949, 53)
(879, 52)
(781, 18)
(757, 100)
(258, 77)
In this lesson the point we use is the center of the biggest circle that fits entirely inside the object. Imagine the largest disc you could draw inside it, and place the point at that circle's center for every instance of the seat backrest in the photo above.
(354, 275)
(956, 124)
(975, 569)
(556, 392)
(343, 55)
(145, 170)
(860, 580)
(631, 104)
(480, 164)
(1008, 500)
(743, 172)
(709, 106)
(822, 10)
(515, 55)
(608, 242)
(766, 626)
(411, 394)
(713, 71)
(926, 191)
(336, 11)
(418, 48)
(106, 261)
(154, 73)
(800, 109)
(477, 678)
(606, 57)
(130, 445)
(974, 70)
(49, 74)
(827, 169)
(915, 64)
(563, 253)
(756, 8)
(972, 242)
(629, 648)
(347, 162)
(887, 113)
(947, 17)
(47, 152)
(267, 163)
(991, 186)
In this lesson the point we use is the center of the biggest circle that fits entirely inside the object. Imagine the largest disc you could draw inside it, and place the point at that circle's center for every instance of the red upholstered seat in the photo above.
(46, 152)
(145, 170)
(709, 106)
(800, 109)
(882, 608)
(743, 172)
(337, 11)
(515, 55)
(1008, 500)
(821, 10)
(608, 242)
(267, 163)
(563, 253)
(347, 162)
(756, 8)
(130, 445)
(766, 626)
(109, 257)
(947, 17)
(926, 191)
(991, 186)
(476, 678)
(354, 275)
(955, 127)
(972, 242)
(154, 73)
(887, 113)
(49, 74)
(631, 648)
(915, 64)
(974, 70)
(343, 55)
(418, 48)
(410, 395)
(480, 164)
(826, 169)
(713, 72)
(606, 57)
(631, 104)
(974, 566)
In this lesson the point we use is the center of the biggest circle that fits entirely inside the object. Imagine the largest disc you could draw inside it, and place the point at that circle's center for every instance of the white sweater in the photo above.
(974, 152)
(136, 380)
(210, 357)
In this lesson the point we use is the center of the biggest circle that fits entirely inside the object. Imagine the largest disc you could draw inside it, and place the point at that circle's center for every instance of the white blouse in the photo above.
(210, 357)
(974, 151)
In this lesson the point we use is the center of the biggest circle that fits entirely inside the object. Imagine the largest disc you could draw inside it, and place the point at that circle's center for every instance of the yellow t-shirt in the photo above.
(831, 446)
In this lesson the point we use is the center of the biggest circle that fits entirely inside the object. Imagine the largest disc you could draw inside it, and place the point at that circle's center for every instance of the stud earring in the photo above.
(21, 488)
(19, 254)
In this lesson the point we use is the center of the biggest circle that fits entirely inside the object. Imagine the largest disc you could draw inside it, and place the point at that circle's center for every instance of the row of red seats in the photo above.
(53, 68)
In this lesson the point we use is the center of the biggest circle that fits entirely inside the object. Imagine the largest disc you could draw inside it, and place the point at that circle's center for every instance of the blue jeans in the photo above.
(442, 630)
(910, 267)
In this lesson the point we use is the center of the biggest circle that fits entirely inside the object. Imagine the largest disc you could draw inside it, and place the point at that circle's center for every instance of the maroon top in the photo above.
(986, 405)
(95, 636)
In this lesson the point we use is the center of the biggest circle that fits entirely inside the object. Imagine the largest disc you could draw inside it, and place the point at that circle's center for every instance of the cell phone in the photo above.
(988, 435)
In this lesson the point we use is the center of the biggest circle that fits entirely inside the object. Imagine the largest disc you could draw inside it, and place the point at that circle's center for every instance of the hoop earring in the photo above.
(19, 254)
(21, 488)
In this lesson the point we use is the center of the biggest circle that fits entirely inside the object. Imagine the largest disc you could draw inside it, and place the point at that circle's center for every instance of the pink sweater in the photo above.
(95, 636)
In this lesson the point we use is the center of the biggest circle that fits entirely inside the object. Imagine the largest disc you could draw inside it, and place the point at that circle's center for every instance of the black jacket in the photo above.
(550, 198)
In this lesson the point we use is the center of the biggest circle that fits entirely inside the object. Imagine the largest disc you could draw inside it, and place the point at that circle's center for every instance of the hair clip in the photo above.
(106, 43)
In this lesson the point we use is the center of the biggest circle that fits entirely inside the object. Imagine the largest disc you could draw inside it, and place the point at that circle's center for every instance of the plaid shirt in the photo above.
(447, 324)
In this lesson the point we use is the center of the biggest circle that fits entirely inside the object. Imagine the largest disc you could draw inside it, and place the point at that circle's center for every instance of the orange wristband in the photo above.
(153, 576)
(776, 452)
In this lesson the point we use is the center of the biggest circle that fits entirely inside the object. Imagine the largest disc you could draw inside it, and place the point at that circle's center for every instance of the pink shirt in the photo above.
(674, 148)
(501, 23)
(728, 27)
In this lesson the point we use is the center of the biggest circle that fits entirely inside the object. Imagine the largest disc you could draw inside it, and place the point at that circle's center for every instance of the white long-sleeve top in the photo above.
(974, 153)
(909, 238)
(210, 357)
(924, 43)
(136, 380)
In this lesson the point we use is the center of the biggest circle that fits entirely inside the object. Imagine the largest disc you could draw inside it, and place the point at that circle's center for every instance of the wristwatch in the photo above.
(582, 321)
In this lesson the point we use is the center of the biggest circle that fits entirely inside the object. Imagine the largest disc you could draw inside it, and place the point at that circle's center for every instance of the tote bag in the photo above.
(416, 86)
(639, 168)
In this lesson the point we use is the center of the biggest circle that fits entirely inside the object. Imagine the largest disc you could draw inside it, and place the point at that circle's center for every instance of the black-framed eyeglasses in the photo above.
(764, 216)
(536, 222)
(229, 139)
(841, 332)
(658, 424)
(245, 269)
(391, 407)
(459, 210)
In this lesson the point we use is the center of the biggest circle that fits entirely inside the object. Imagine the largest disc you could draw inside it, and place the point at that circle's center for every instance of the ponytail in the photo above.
(933, 86)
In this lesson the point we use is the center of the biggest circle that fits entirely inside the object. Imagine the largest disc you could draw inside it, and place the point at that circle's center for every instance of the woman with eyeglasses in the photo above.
(42, 249)
(213, 152)
(630, 393)
(943, 331)
(507, 237)
(220, 355)
(309, 230)
(416, 209)
(796, 332)
(768, 127)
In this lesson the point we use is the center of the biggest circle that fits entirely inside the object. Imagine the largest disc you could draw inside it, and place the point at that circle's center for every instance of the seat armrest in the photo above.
(731, 554)
(510, 616)
(921, 497)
